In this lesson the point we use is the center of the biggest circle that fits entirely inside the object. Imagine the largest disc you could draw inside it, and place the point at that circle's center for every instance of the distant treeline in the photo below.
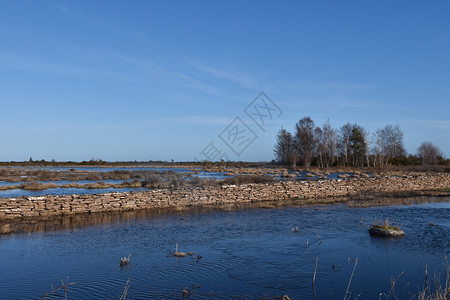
(350, 145)
(96, 162)
(149, 163)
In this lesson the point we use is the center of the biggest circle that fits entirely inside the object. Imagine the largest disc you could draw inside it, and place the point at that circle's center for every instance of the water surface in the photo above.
(246, 254)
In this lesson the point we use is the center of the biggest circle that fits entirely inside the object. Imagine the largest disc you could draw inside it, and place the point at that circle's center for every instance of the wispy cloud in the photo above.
(190, 82)
(234, 76)
(341, 86)
(432, 124)
(305, 86)
(30, 65)
(200, 120)
(154, 69)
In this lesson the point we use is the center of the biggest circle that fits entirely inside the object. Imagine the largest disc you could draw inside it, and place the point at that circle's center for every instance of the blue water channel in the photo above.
(245, 254)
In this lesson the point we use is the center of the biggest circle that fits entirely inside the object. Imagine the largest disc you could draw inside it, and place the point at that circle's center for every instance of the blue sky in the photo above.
(160, 80)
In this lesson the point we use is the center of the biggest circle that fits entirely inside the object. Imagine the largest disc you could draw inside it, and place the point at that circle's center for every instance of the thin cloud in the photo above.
(236, 77)
(341, 86)
(433, 124)
(311, 86)
(29, 65)
(155, 69)
(200, 120)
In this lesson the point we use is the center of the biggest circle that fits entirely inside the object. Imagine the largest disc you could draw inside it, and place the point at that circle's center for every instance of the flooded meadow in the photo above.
(248, 253)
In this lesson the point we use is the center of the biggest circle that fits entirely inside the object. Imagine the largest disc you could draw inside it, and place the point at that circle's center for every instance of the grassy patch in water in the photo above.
(386, 225)
(37, 186)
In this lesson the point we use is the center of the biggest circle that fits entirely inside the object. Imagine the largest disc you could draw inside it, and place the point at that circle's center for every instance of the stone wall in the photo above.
(50, 205)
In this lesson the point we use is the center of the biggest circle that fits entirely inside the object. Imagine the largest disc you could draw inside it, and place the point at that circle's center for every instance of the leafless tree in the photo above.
(305, 141)
(320, 146)
(429, 153)
(284, 147)
(388, 143)
(330, 141)
(392, 141)
(377, 147)
(345, 132)
(396, 141)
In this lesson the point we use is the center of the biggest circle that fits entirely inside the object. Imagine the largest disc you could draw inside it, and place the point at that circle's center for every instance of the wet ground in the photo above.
(18, 192)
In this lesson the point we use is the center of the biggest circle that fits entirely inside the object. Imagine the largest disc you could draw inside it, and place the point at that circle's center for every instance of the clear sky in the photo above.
(161, 80)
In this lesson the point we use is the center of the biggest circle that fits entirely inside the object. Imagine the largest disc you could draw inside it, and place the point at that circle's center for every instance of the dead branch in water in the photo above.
(350, 281)
(178, 254)
(315, 271)
(314, 279)
(318, 237)
(125, 290)
(64, 286)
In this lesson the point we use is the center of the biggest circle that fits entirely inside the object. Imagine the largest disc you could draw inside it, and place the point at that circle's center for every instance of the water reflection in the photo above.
(72, 222)
(247, 252)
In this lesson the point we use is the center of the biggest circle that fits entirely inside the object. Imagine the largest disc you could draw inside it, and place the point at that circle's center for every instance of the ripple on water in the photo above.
(248, 253)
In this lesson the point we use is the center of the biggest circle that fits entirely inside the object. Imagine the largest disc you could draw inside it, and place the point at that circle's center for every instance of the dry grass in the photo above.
(385, 225)
(9, 187)
(136, 183)
(438, 291)
(73, 185)
(38, 186)
(153, 181)
(243, 179)
(98, 185)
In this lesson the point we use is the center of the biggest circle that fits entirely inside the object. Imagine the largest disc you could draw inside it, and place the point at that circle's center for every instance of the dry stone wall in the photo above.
(51, 205)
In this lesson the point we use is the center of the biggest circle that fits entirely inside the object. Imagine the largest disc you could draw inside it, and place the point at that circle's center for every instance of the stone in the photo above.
(5, 229)
(385, 232)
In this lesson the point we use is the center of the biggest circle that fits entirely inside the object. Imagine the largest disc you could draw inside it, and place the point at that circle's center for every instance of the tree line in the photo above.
(350, 145)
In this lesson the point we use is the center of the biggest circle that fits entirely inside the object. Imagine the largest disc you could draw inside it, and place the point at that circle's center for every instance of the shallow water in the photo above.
(67, 191)
(64, 191)
(246, 254)
(61, 182)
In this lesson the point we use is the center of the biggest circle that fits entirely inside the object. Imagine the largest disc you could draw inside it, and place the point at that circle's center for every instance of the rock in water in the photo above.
(385, 231)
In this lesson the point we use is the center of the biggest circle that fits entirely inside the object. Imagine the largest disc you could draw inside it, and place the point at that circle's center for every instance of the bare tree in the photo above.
(320, 146)
(388, 143)
(345, 133)
(429, 153)
(351, 145)
(284, 147)
(305, 141)
(392, 141)
(377, 148)
(330, 141)
(398, 149)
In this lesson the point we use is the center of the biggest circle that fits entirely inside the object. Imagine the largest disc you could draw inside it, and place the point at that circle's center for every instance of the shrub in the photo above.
(242, 179)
